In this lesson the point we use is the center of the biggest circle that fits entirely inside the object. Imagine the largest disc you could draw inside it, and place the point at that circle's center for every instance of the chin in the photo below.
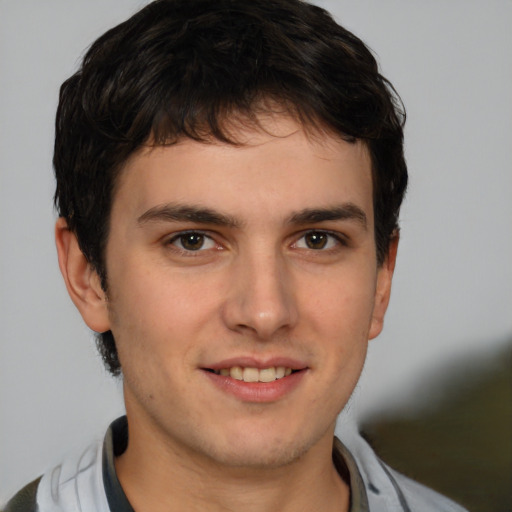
(257, 451)
(257, 458)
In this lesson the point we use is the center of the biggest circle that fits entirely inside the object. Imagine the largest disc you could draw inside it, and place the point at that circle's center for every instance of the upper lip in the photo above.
(259, 363)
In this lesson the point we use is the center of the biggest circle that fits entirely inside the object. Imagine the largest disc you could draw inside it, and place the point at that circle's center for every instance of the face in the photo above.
(243, 289)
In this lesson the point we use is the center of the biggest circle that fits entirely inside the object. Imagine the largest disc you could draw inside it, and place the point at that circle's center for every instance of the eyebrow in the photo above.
(346, 211)
(187, 213)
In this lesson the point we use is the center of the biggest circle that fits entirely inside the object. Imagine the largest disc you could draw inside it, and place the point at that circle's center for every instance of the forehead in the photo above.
(278, 166)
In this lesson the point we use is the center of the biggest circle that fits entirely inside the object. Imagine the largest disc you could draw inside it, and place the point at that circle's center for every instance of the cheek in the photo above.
(160, 312)
(342, 306)
(340, 319)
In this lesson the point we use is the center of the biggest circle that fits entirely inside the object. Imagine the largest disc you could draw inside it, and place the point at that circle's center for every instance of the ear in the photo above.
(82, 281)
(383, 288)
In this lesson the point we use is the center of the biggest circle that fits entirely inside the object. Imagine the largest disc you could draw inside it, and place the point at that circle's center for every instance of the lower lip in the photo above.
(258, 392)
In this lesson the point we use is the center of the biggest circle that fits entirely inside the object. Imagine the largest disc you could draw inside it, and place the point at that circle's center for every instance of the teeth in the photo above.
(236, 373)
(267, 375)
(254, 374)
(251, 375)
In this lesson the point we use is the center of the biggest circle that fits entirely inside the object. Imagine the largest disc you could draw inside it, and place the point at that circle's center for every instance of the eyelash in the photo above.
(189, 252)
(339, 239)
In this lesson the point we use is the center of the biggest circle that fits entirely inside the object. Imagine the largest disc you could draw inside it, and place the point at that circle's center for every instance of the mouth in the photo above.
(253, 381)
(252, 374)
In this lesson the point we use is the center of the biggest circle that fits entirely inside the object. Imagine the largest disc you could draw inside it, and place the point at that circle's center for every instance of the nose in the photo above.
(261, 301)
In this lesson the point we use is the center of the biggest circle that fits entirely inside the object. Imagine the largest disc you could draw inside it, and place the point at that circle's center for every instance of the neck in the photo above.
(161, 478)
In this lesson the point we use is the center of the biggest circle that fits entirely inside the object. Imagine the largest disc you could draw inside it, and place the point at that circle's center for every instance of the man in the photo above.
(229, 178)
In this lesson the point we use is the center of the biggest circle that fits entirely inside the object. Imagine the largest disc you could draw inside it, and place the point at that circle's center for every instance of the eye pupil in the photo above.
(192, 241)
(316, 240)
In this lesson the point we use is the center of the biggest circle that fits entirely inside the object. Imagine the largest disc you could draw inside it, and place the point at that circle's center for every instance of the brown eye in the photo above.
(316, 240)
(192, 241)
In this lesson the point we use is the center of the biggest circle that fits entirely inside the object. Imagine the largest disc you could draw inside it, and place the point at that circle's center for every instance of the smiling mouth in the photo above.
(249, 374)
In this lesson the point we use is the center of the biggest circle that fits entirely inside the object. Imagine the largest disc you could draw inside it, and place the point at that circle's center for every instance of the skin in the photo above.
(266, 279)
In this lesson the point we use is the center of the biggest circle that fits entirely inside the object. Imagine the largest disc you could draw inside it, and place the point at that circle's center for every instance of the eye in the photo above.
(192, 241)
(318, 240)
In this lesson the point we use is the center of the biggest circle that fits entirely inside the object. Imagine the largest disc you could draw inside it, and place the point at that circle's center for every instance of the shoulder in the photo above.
(417, 497)
(25, 499)
(74, 485)
(388, 489)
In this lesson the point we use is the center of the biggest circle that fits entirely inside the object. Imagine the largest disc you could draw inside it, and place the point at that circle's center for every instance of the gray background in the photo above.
(451, 61)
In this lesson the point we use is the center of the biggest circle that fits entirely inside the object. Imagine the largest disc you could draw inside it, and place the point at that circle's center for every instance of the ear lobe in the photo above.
(82, 281)
(383, 288)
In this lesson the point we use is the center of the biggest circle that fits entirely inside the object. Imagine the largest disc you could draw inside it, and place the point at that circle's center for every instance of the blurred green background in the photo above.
(460, 443)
